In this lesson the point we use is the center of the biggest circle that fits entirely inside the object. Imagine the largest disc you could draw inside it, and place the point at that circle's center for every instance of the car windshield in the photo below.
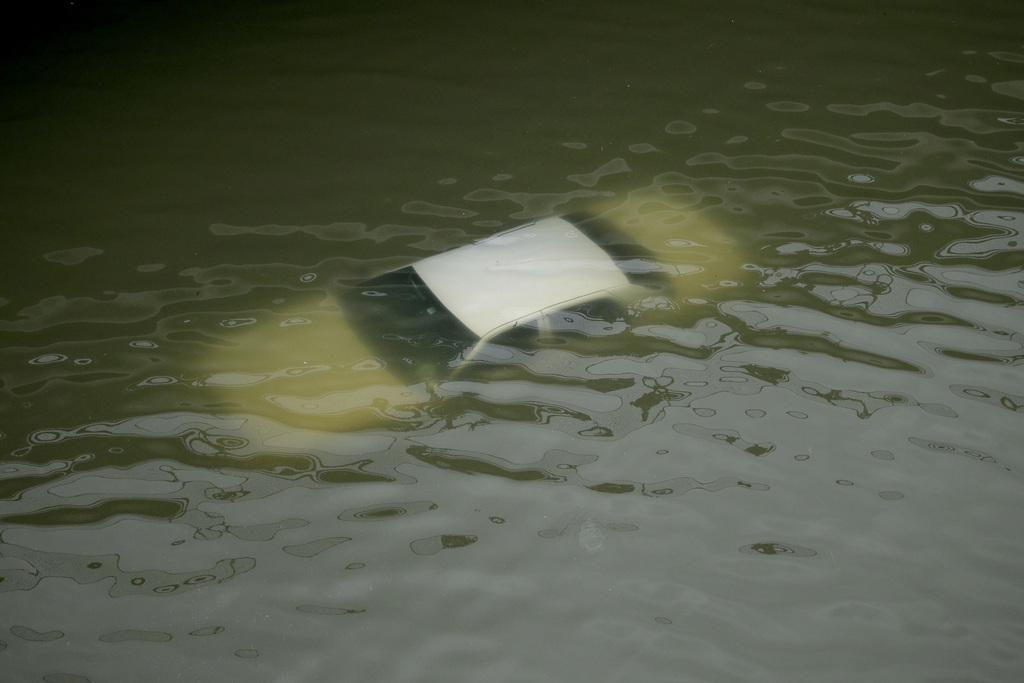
(397, 316)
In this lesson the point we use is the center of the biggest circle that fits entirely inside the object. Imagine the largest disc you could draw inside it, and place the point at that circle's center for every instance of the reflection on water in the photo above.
(773, 548)
(797, 454)
(85, 569)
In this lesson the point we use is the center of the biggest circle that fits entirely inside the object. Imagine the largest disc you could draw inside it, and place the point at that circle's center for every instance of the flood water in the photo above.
(806, 465)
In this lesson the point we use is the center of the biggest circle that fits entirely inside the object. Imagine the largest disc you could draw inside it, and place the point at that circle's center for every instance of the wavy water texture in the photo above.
(800, 435)
(845, 272)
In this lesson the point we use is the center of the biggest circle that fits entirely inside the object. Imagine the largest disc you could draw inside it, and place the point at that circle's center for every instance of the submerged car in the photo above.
(384, 351)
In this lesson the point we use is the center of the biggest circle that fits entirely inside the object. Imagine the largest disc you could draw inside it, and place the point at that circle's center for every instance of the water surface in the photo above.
(803, 465)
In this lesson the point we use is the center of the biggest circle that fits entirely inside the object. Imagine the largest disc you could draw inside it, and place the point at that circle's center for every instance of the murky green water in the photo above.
(803, 465)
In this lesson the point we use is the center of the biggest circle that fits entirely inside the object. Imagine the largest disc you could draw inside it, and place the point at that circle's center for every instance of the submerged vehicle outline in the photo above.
(373, 354)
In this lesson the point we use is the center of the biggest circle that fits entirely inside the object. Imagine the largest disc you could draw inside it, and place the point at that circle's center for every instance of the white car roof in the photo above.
(520, 275)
